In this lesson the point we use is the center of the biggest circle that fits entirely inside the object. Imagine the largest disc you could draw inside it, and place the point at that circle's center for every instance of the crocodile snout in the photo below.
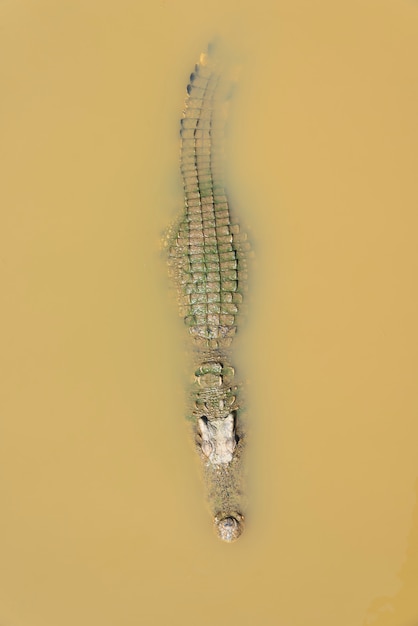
(229, 528)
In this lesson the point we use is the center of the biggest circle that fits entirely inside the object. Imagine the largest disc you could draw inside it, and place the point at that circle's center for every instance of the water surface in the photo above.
(103, 517)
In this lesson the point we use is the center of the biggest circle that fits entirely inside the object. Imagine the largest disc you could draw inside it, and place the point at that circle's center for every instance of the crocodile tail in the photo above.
(207, 253)
(202, 127)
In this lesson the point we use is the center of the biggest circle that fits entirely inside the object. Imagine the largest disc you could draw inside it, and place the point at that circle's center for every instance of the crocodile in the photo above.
(207, 258)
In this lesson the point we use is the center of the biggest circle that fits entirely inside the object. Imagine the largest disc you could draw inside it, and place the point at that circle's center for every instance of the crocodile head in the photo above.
(229, 527)
(218, 440)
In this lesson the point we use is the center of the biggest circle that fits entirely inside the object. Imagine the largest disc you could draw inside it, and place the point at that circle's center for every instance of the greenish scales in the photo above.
(207, 259)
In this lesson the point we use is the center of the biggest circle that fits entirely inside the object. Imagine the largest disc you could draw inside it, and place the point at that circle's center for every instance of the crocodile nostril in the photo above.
(229, 528)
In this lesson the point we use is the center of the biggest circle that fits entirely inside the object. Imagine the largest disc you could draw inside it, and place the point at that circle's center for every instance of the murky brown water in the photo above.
(103, 519)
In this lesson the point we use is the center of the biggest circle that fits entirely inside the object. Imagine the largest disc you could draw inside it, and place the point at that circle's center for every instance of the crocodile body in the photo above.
(207, 260)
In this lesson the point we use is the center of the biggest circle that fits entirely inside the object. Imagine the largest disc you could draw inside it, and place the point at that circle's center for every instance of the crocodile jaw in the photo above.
(218, 438)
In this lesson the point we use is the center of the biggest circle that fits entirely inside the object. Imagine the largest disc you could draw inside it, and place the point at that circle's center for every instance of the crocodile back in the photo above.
(207, 251)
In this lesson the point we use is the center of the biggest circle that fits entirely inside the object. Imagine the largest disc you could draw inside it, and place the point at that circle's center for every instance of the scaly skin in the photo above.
(206, 256)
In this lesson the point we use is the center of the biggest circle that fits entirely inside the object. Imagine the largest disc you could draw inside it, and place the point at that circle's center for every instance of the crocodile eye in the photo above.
(229, 528)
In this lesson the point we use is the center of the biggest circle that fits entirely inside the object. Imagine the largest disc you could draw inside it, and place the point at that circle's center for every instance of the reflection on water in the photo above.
(103, 516)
